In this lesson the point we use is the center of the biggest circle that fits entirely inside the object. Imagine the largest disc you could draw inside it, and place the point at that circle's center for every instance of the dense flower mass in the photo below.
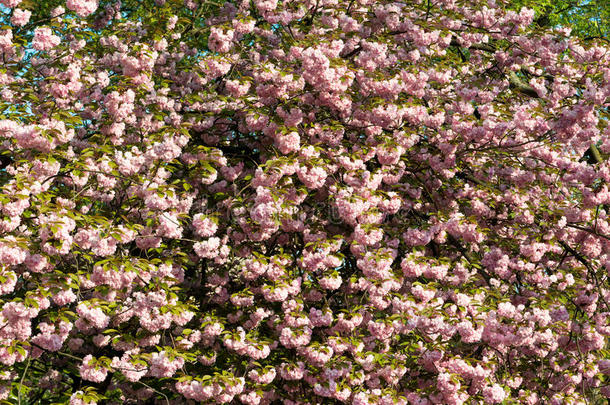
(302, 202)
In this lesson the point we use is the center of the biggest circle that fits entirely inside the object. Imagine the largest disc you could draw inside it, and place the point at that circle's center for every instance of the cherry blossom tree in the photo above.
(305, 201)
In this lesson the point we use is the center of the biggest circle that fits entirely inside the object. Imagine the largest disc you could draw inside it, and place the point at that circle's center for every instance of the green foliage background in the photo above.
(587, 18)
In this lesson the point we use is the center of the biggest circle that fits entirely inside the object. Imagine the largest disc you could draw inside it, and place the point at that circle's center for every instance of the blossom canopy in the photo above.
(305, 201)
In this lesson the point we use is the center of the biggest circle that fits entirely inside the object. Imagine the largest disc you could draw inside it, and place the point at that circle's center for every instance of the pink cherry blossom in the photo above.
(44, 39)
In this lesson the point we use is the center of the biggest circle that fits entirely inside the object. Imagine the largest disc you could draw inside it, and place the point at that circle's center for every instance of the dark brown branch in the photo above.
(517, 84)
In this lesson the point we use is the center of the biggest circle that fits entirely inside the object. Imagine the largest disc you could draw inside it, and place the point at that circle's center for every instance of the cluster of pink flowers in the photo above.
(220, 393)
(44, 39)
(161, 365)
(91, 316)
(82, 8)
(90, 370)
(20, 17)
